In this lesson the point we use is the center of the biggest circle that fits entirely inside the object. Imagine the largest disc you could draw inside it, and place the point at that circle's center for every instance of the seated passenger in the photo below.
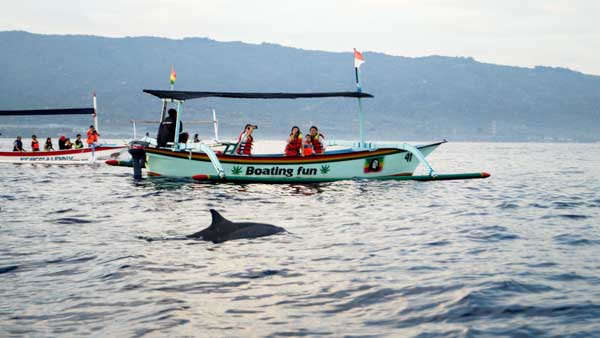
(245, 140)
(68, 144)
(318, 140)
(35, 145)
(61, 142)
(18, 144)
(48, 146)
(307, 144)
(196, 138)
(78, 143)
(294, 143)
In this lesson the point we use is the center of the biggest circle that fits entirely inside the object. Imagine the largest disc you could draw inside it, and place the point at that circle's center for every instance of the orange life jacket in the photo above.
(35, 146)
(317, 145)
(244, 148)
(294, 147)
(92, 138)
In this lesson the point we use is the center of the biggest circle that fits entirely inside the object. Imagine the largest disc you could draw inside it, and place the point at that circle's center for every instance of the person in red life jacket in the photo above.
(318, 140)
(245, 140)
(35, 145)
(307, 145)
(61, 142)
(294, 143)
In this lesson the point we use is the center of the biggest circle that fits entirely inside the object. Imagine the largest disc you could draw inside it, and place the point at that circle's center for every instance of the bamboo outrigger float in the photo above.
(361, 160)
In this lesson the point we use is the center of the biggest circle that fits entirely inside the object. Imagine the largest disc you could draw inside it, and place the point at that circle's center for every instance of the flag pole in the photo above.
(361, 119)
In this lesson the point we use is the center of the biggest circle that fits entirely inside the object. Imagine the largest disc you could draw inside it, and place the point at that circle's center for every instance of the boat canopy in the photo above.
(187, 95)
(65, 111)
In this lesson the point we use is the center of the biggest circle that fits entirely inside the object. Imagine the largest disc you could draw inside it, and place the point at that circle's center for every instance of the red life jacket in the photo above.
(317, 145)
(35, 146)
(294, 147)
(246, 147)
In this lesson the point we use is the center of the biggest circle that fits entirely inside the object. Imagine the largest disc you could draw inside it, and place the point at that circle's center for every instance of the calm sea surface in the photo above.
(517, 254)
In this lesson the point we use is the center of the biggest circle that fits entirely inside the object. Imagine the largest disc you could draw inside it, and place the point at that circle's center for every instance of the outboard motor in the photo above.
(138, 158)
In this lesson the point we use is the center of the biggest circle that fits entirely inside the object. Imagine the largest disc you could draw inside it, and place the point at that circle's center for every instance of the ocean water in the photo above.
(517, 254)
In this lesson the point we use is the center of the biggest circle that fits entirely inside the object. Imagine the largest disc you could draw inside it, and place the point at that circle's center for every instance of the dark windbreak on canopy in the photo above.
(187, 95)
(65, 111)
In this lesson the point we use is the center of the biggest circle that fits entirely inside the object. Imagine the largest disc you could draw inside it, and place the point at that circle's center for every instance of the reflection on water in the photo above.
(513, 255)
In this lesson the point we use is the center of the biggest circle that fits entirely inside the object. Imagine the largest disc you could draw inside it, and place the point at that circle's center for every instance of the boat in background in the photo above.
(67, 156)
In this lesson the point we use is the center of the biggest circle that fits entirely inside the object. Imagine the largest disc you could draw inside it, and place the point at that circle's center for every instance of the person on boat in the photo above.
(18, 144)
(166, 130)
(196, 138)
(92, 140)
(294, 143)
(48, 146)
(245, 140)
(35, 145)
(61, 142)
(318, 140)
(68, 144)
(307, 145)
(78, 143)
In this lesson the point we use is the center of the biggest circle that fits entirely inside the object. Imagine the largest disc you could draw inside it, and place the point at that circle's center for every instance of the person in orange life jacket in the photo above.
(245, 140)
(92, 140)
(18, 144)
(318, 140)
(307, 145)
(48, 146)
(294, 143)
(61, 142)
(78, 143)
(35, 145)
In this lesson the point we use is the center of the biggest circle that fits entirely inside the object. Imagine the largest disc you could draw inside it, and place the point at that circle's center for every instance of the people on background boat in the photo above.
(18, 144)
(318, 140)
(48, 146)
(307, 145)
(35, 145)
(61, 142)
(294, 143)
(245, 140)
(78, 143)
(68, 145)
(166, 130)
(196, 138)
(92, 140)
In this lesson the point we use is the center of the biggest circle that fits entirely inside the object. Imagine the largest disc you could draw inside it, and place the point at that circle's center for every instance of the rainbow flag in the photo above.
(173, 75)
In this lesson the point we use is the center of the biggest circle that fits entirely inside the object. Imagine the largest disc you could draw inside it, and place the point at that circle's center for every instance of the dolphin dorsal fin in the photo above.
(217, 218)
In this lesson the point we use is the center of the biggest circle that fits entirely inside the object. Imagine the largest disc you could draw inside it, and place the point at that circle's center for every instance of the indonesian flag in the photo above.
(173, 75)
(358, 59)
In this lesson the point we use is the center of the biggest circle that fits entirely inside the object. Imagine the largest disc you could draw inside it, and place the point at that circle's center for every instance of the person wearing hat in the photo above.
(245, 140)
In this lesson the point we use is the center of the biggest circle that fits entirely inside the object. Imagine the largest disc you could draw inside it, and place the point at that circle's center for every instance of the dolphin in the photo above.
(222, 229)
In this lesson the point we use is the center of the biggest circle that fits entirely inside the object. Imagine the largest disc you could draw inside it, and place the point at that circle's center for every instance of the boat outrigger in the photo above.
(361, 160)
(67, 156)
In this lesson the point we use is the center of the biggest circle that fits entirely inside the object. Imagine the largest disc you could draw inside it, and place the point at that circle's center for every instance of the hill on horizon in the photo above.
(421, 98)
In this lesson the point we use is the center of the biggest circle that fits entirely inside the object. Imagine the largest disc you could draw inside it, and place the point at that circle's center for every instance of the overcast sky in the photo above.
(563, 33)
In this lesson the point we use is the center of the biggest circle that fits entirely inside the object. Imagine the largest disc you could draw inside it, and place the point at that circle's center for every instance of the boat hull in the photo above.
(334, 166)
(74, 156)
